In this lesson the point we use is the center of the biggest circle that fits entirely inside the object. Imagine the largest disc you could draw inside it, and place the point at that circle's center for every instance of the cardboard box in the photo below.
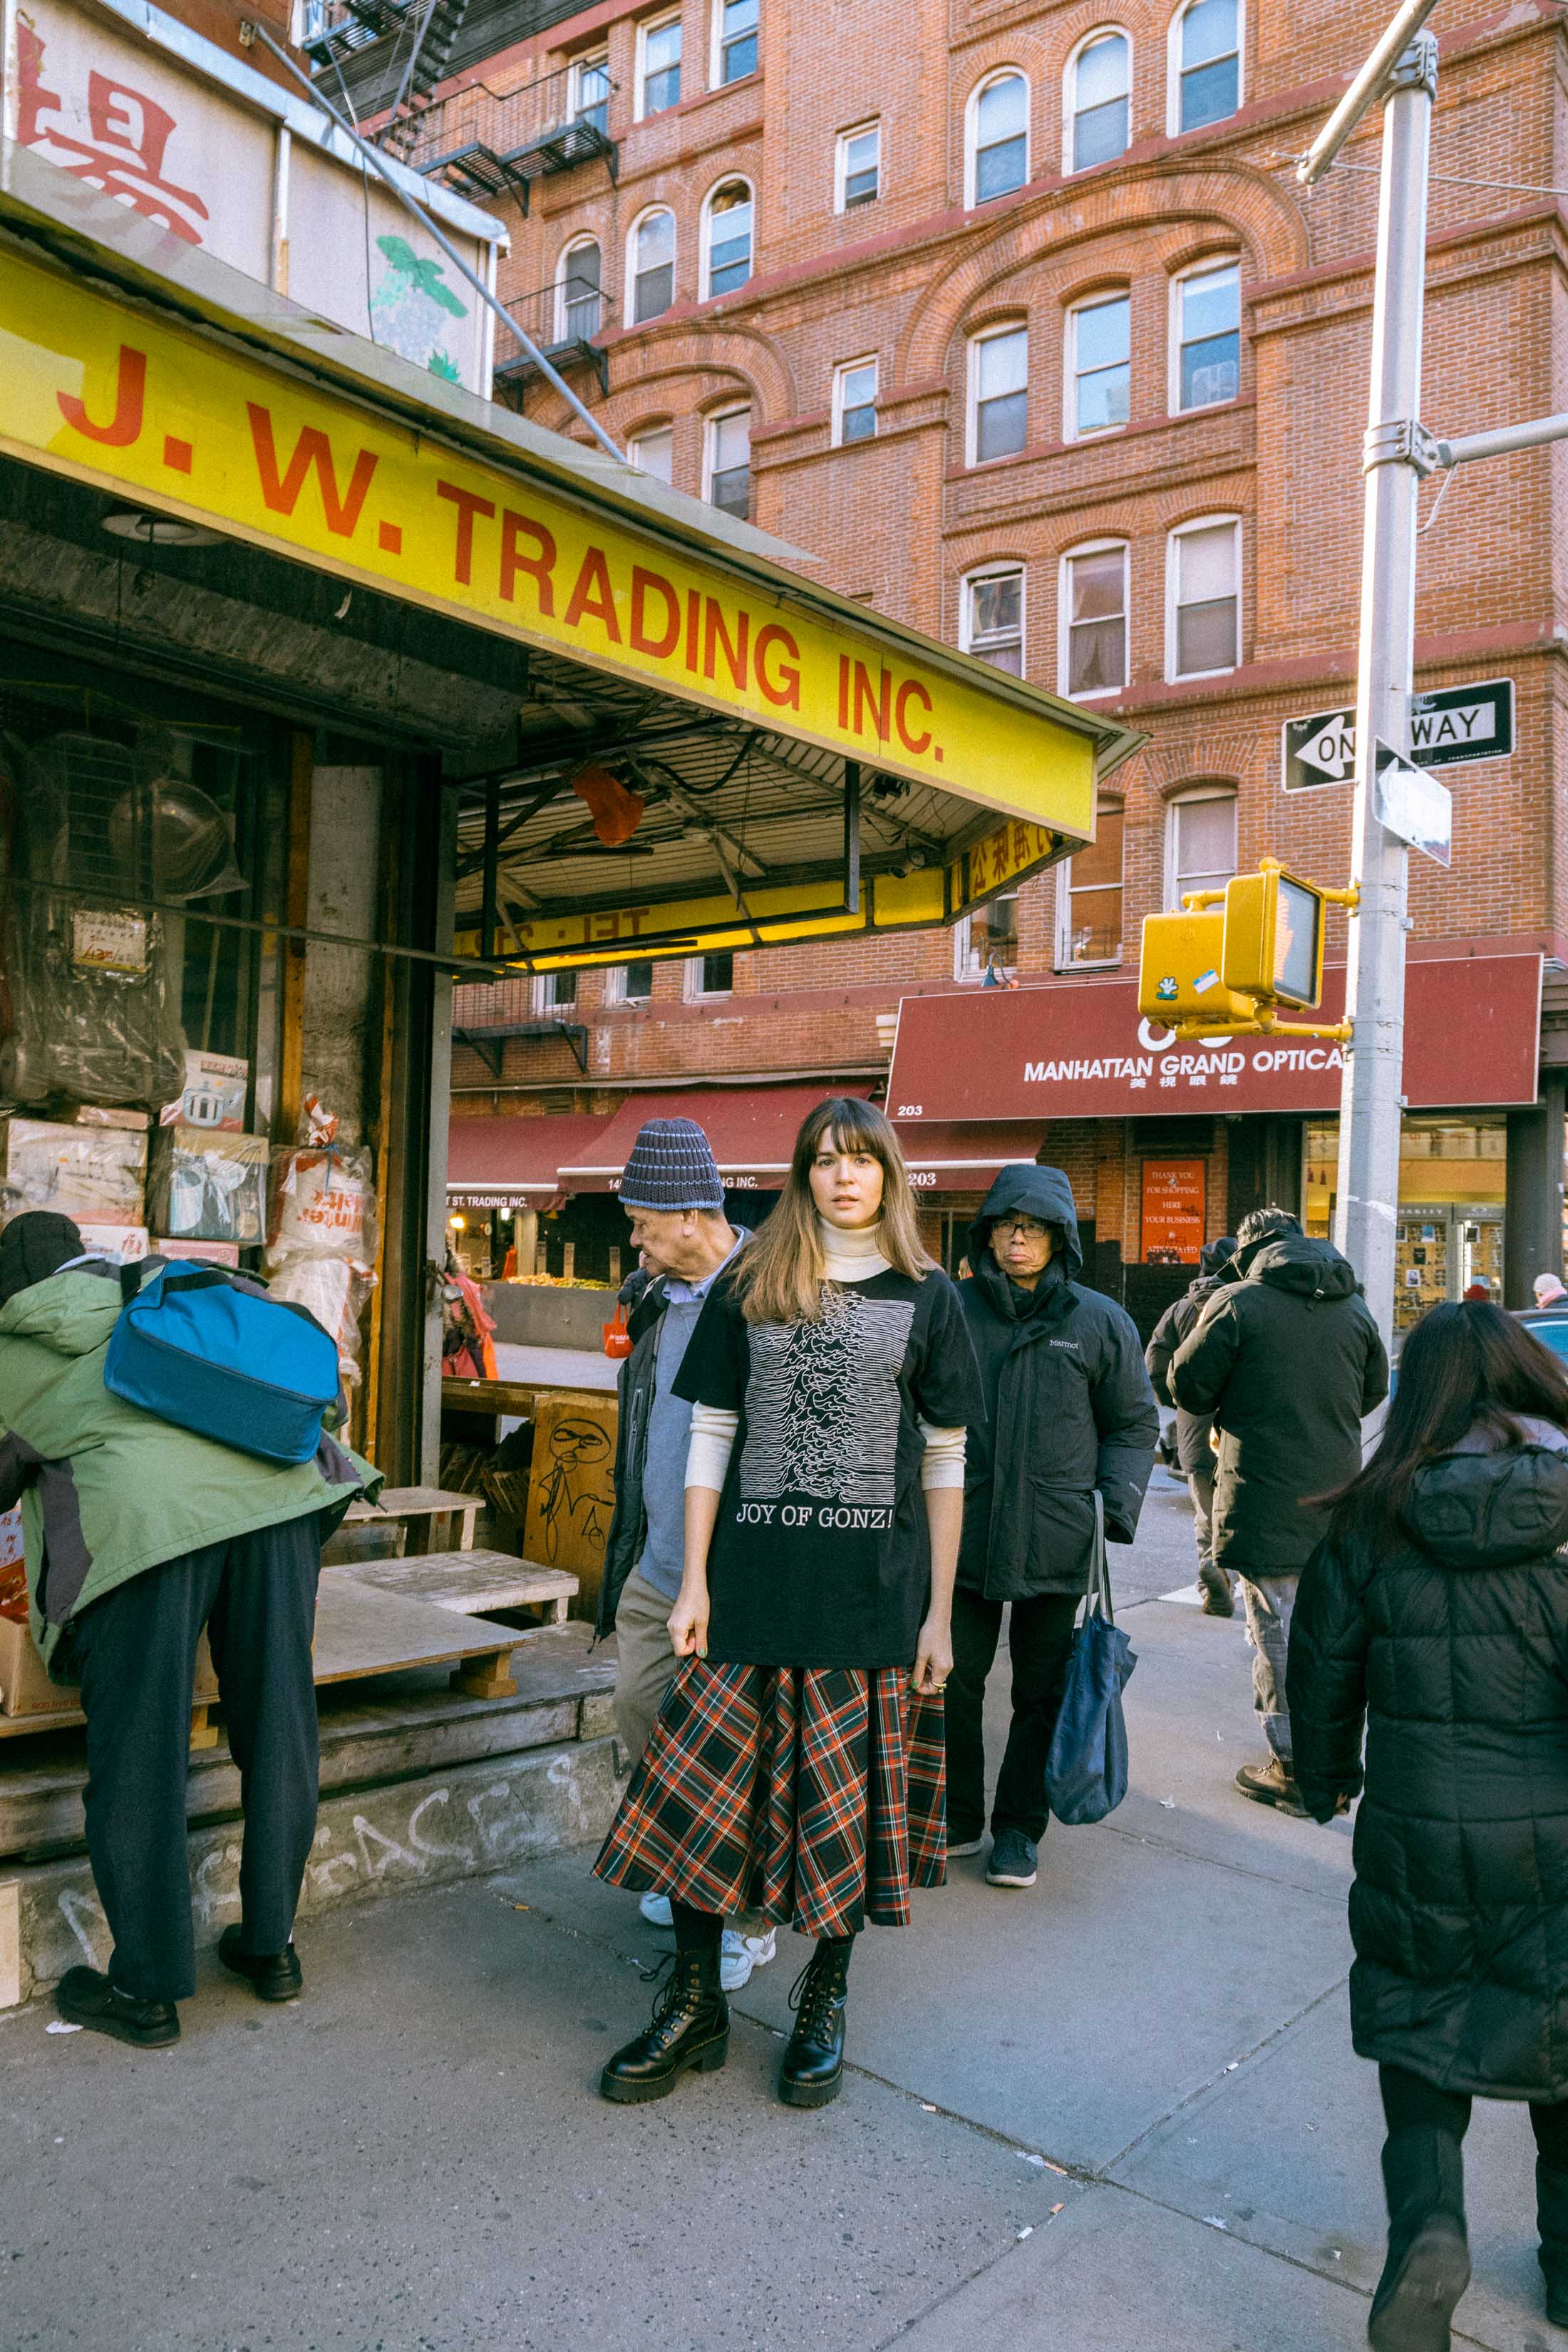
(25, 1688)
(210, 1187)
(123, 1242)
(210, 1252)
(570, 1487)
(108, 1114)
(214, 1095)
(95, 1174)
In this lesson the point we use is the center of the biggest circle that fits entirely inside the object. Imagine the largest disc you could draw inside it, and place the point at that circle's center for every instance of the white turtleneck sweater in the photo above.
(846, 1257)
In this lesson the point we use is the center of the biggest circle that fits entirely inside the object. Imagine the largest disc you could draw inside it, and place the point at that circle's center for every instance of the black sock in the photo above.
(700, 1932)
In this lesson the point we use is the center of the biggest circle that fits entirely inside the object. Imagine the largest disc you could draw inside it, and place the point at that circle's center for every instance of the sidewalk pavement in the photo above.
(1119, 2113)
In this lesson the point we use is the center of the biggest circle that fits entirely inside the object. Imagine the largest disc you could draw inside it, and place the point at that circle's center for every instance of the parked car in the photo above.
(1549, 1324)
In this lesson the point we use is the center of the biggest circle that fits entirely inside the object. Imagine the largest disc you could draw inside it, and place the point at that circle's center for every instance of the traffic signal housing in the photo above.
(1272, 948)
(1179, 973)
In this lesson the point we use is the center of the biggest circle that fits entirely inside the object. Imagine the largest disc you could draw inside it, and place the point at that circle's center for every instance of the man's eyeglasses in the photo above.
(1028, 1229)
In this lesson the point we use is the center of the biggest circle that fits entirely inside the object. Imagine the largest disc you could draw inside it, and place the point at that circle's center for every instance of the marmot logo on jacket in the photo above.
(1066, 1343)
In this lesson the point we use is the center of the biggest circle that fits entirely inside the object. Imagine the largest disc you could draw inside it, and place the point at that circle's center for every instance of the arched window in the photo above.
(1088, 894)
(727, 238)
(1093, 604)
(579, 282)
(998, 394)
(1205, 335)
(1205, 63)
(727, 462)
(652, 452)
(1096, 99)
(1200, 841)
(990, 620)
(997, 138)
(1203, 597)
(650, 265)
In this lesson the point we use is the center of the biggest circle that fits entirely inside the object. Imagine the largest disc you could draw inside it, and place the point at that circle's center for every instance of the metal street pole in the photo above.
(1395, 455)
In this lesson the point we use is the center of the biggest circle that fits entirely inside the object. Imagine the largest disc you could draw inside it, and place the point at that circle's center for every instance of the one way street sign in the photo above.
(1454, 723)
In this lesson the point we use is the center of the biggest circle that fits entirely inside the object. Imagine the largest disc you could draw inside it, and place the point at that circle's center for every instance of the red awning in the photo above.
(965, 1158)
(1081, 1050)
(506, 1163)
(750, 1131)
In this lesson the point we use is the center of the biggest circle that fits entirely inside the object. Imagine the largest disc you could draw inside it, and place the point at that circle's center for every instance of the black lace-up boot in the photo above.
(812, 2070)
(689, 2033)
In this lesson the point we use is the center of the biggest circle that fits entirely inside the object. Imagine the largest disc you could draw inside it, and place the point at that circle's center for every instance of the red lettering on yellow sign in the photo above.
(342, 508)
(643, 638)
(129, 403)
(539, 565)
(468, 504)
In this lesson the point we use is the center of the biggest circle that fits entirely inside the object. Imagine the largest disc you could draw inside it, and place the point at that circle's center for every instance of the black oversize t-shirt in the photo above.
(821, 1555)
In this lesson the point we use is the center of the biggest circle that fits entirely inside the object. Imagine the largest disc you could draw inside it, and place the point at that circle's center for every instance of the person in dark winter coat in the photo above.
(1288, 1360)
(1069, 1412)
(1194, 1455)
(1436, 1611)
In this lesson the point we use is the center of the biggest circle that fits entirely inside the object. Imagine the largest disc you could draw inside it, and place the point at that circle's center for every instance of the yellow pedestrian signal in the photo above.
(1179, 975)
(1273, 946)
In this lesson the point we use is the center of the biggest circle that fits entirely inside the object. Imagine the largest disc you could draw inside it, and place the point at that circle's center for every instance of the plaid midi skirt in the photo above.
(815, 1794)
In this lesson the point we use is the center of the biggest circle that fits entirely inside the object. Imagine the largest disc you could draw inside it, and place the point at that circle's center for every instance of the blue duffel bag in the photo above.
(211, 1353)
(1086, 1768)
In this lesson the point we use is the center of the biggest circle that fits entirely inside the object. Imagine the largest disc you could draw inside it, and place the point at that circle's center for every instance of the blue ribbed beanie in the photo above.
(671, 1167)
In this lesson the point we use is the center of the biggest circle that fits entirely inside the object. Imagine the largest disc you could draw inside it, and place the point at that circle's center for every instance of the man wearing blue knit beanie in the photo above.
(672, 1194)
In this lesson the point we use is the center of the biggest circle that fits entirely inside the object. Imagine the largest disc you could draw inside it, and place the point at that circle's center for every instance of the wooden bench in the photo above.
(418, 1507)
(468, 1581)
(361, 1631)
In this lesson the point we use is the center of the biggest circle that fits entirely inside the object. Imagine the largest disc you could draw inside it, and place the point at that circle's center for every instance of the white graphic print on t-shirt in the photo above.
(822, 1402)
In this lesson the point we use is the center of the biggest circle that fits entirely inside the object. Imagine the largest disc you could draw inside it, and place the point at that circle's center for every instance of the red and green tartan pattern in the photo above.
(817, 1794)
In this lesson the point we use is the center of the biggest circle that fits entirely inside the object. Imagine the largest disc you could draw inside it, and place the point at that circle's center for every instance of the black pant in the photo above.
(1041, 1641)
(134, 1653)
(1423, 2163)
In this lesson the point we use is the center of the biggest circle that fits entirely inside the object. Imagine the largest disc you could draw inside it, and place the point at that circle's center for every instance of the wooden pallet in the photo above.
(467, 1581)
(419, 1508)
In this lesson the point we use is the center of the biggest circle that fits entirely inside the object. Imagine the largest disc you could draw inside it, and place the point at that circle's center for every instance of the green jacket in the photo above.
(108, 1490)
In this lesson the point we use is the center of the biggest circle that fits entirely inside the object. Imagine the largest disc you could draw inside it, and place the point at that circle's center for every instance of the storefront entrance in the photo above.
(1452, 1179)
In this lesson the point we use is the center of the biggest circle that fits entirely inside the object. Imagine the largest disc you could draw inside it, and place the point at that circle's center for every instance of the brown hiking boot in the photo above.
(1271, 1784)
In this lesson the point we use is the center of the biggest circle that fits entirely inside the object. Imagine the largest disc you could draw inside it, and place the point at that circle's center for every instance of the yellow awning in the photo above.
(773, 730)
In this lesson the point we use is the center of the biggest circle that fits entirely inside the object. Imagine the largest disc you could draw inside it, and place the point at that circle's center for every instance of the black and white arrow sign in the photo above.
(1451, 724)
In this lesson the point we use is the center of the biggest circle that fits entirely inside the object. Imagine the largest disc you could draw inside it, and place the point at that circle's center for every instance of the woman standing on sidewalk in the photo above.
(1437, 1609)
(797, 1761)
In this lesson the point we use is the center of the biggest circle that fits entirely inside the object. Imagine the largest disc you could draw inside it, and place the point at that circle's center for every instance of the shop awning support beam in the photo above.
(852, 837)
(492, 855)
(379, 167)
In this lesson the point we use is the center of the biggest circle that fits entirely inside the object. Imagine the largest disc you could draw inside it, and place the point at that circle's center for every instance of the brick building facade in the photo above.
(1014, 316)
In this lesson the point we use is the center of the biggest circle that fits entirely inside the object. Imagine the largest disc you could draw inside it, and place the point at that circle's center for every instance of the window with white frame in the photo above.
(579, 292)
(858, 167)
(591, 90)
(855, 401)
(992, 625)
(653, 452)
(728, 462)
(1203, 598)
(1093, 607)
(727, 238)
(629, 984)
(658, 67)
(553, 992)
(1089, 896)
(1099, 366)
(986, 942)
(998, 138)
(1205, 63)
(650, 275)
(1097, 97)
(998, 394)
(1200, 842)
(710, 975)
(735, 40)
(1205, 336)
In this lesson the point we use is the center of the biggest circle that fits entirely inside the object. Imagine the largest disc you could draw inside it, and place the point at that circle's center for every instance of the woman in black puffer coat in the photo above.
(1436, 1611)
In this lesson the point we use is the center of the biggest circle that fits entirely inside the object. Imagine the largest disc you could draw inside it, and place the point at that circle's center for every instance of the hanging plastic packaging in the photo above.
(322, 1229)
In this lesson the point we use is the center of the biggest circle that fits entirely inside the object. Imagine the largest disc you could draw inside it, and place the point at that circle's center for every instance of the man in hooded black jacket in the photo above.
(1287, 1358)
(1069, 1413)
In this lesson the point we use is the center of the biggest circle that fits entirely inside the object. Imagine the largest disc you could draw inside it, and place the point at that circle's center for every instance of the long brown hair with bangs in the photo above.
(780, 1276)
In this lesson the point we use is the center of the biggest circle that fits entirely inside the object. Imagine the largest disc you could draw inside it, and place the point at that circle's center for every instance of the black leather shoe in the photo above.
(271, 1975)
(86, 1996)
(689, 2034)
(812, 2070)
(1419, 2288)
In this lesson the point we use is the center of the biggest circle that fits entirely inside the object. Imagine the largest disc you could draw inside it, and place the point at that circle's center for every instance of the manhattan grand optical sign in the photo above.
(121, 398)
(1472, 1034)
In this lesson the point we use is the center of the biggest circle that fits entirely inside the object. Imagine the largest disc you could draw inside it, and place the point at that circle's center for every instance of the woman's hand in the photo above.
(933, 1658)
(687, 1622)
